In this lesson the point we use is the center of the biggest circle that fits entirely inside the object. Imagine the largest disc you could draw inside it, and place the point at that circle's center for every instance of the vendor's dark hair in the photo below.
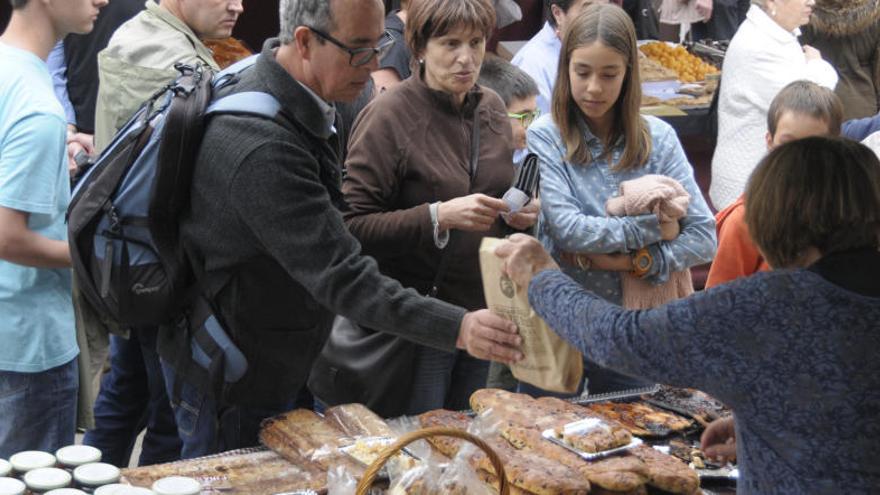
(509, 81)
(821, 192)
(807, 98)
(428, 19)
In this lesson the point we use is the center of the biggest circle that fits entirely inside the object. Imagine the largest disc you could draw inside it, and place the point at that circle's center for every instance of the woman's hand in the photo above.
(476, 212)
(719, 440)
(811, 53)
(526, 217)
(524, 257)
(669, 230)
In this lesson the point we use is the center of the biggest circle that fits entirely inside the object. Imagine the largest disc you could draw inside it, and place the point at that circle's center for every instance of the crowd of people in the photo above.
(337, 244)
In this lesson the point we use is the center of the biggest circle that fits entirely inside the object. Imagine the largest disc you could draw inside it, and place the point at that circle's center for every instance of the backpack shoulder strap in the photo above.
(247, 102)
(235, 68)
(255, 103)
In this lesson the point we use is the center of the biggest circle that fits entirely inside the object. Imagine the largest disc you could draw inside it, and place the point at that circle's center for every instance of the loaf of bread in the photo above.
(302, 434)
(357, 421)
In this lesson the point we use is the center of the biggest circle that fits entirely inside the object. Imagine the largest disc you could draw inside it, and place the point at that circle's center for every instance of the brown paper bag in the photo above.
(549, 363)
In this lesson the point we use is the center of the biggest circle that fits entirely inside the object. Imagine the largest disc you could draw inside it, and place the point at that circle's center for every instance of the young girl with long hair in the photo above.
(594, 140)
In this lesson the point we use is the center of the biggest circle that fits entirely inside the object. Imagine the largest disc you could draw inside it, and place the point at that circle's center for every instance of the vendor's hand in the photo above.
(485, 335)
(719, 440)
(524, 257)
(669, 230)
(476, 212)
(525, 218)
(811, 53)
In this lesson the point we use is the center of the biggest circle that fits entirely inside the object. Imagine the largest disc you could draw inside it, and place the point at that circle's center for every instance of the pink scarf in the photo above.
(666, 198)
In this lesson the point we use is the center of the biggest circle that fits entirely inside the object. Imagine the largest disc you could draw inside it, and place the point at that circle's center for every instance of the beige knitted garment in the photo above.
(668, 199)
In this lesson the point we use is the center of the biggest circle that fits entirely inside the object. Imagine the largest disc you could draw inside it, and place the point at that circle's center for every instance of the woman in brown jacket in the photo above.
(419, 203)
(847, 32)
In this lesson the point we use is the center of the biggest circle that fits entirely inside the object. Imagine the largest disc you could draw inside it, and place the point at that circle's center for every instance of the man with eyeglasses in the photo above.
(264, 225)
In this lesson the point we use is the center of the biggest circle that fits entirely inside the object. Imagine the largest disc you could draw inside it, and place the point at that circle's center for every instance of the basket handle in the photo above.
(372, 471)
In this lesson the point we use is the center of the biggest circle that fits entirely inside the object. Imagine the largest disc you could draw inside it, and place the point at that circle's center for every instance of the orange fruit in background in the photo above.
(689, 67)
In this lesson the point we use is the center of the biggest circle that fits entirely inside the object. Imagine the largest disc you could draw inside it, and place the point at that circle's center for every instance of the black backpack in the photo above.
(123, 219)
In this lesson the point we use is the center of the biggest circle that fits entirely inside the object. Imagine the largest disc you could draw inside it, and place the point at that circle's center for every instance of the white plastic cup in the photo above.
(77, 455)
(177, 485)
(66, 491)
(515, 199)
(11, 486)
(122, 489)
(42, 480)
(96, 474)
(29, 460)
(5, 468)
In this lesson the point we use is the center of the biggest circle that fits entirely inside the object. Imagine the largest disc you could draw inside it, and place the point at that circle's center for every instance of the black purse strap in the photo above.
(473, 166)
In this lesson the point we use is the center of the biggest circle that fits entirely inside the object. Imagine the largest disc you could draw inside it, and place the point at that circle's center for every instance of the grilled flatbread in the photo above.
(666, 472)
(642, 419)
(694, 403)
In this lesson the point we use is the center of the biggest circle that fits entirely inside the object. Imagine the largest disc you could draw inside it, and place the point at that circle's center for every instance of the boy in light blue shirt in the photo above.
(38, 370)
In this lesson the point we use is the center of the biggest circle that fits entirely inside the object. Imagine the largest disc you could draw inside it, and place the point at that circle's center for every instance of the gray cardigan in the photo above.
(265, 210)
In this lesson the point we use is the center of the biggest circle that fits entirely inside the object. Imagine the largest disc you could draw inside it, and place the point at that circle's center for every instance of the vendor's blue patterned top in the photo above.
(573, 198)
(794, 355)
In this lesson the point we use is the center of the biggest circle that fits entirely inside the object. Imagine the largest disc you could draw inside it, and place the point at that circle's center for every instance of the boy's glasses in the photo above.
(526, 118)
(359, 56)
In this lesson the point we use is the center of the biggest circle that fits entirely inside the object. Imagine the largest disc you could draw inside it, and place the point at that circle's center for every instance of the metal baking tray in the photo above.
(632, 393)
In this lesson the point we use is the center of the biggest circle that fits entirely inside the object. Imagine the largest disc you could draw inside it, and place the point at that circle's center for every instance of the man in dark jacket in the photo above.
(265, 227)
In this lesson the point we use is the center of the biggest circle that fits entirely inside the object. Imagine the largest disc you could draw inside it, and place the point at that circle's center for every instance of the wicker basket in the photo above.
(372, 471)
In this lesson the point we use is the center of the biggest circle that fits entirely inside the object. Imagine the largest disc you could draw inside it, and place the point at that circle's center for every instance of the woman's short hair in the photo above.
(428, 19)
(509, 81)
(821, 192)
(610, 25)
(806, 98)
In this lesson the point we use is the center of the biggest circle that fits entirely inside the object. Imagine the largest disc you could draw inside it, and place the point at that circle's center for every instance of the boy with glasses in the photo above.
(519, 93)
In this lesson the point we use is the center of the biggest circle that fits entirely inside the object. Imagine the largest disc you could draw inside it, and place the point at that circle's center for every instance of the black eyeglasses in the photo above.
(359, 56)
